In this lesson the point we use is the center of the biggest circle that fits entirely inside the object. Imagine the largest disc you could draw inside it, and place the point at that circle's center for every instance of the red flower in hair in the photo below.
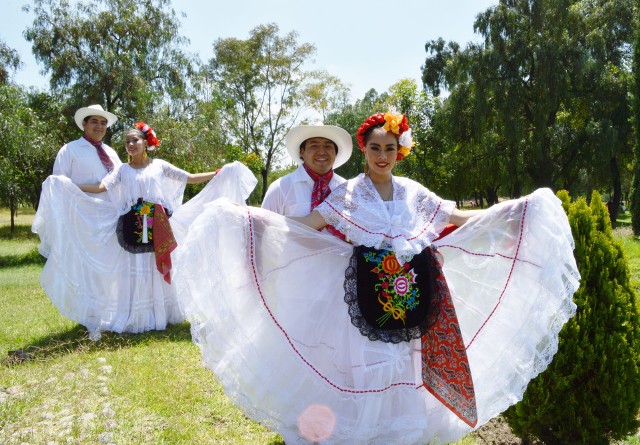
(370, 122)
(149, 134)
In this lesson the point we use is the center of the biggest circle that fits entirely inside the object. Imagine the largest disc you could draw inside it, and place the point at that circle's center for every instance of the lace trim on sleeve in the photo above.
(114, 178)
(173, 193)
(173, 172)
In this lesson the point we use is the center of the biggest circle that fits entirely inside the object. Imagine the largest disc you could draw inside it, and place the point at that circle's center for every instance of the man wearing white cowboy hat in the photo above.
(88, 160)
(317, 149)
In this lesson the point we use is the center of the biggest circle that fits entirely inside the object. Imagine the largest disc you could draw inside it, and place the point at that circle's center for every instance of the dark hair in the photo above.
(136, 130)
(86, 119)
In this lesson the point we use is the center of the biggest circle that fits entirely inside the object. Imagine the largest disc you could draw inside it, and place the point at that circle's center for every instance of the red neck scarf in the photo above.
(102, 154)
(320, 186)
(320, 191)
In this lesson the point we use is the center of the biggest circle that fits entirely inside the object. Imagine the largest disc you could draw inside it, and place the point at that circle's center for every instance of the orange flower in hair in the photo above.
(392, 122)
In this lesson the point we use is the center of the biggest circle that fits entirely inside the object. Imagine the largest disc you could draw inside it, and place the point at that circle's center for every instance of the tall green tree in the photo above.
(261, 80)
(469, 164)
(27, 148)
(541, 62)
(52, 132)
(9, 61)
(325, 93)
(126, 55)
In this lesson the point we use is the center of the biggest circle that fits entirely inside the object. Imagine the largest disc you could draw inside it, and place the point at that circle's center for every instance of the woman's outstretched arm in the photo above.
(195, 178)
(92, 188)
(313, 220)
(459, 217)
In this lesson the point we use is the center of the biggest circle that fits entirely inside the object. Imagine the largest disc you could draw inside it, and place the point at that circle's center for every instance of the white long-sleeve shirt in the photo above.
(79, 161)
(291, 194)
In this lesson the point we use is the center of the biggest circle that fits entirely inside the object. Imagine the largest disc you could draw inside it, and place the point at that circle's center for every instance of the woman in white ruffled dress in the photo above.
(399, 337)
(109, 262)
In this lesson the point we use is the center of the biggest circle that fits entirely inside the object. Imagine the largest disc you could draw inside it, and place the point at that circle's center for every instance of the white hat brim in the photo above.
(297, 135)
(94, 110)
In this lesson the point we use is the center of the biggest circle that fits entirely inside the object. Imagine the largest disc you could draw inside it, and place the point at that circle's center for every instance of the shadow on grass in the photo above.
(76, 341)
(24, 259)
(20, 232)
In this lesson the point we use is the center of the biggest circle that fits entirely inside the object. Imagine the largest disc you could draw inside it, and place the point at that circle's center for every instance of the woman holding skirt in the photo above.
(109, 262)
(398, 336)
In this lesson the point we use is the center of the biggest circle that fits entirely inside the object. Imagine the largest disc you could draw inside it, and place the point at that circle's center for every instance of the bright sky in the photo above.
(366, 44)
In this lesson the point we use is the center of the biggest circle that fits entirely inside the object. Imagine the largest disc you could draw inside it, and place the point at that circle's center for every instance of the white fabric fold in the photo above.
(267, 310)
(89, 277)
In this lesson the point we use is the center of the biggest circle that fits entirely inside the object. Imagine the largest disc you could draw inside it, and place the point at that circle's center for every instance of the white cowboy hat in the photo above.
(297, 135)
(94, 110)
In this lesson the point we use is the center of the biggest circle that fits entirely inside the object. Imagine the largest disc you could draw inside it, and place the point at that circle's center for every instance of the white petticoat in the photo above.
(91, 279)
(267, 310)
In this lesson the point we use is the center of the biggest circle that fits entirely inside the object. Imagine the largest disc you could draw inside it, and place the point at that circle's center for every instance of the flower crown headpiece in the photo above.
(393, 122)
(149, 134)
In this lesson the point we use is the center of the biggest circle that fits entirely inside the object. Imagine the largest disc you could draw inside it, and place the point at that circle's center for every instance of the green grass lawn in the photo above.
(125, 389)
(60, 387)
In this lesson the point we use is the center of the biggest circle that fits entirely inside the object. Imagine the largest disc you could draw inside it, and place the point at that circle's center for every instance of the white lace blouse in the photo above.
(159, 182)
(407, 226)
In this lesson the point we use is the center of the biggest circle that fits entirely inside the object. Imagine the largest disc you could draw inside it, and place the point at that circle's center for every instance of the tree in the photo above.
(123, 54)
(9, 61)
(27, 149)
(260, 81)
(53, 132)
(590, 393)
(325, 93)
(542, 62)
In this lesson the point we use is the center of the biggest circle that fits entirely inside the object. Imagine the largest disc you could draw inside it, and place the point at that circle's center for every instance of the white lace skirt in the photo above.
(91, 279)
(266, 304)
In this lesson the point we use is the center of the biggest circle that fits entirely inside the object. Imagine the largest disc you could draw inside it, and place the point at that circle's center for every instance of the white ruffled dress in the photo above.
(88, 276)
(268, 312)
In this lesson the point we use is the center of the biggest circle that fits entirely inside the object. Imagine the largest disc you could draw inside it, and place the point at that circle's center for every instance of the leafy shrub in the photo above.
(590, 394)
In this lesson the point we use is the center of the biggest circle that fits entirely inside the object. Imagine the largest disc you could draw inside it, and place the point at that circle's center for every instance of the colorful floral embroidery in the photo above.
(144, 209)
(396, 292)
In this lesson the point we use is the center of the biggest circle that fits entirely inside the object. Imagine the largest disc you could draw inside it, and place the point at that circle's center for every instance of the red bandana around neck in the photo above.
(102, 154)
(320, 186)
(320, 191)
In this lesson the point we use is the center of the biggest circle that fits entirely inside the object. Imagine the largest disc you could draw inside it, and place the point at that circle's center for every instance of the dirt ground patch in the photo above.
(498, 432)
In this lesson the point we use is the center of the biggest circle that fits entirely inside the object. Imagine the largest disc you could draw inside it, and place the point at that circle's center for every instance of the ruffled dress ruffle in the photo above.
(88, 276)
(268, 313)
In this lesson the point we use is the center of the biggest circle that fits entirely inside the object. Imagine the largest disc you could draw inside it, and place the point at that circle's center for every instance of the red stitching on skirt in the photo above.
(255, 277)
(513, 265)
